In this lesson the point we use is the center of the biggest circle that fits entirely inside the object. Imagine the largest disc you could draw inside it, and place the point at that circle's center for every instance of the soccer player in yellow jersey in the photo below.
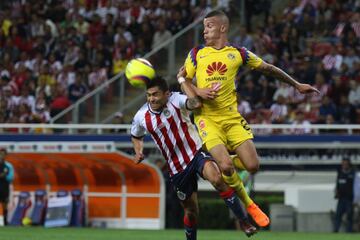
(213, 67)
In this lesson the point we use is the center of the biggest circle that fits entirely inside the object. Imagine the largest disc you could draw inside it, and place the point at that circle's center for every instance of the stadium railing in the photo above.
(350, 129)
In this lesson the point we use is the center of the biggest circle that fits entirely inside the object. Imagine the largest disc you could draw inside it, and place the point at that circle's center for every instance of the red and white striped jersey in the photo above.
(172, 131)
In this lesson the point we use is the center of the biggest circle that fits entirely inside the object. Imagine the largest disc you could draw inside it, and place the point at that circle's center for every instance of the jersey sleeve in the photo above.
(191, 62)
(137, 129)
(179, 100)
(250, 59)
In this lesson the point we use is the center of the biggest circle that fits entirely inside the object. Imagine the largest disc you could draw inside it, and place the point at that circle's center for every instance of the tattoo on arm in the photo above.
(276, 72)
(193, 103)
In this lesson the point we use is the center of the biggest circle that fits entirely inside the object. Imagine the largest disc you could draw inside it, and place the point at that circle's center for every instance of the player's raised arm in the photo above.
(193, 100)
(138, 144)
(269, 69)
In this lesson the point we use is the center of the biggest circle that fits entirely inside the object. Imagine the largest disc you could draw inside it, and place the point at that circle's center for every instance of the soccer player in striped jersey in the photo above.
(165, 117)
(214, 66)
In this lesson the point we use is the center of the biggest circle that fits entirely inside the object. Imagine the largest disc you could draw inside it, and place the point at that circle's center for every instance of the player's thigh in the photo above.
(248, 155)
(237, 131)
(210, 132)
(222, 158)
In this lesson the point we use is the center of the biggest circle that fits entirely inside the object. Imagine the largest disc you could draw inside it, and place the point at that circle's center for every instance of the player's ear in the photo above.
(167, 93)
(223, 28)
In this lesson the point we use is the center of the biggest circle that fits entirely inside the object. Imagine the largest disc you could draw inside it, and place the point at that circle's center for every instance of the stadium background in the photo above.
(61, 62)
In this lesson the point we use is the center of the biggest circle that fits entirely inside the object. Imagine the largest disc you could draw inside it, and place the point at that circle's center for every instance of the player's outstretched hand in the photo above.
(139, 157)
(181, 73)
(306, 88)
(206, 93)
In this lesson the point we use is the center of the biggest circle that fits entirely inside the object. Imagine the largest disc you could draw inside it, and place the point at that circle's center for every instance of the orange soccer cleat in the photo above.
(257, 215)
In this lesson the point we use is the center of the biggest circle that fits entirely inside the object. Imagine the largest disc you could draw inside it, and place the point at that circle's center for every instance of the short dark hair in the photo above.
(215, 13)
(159, 82)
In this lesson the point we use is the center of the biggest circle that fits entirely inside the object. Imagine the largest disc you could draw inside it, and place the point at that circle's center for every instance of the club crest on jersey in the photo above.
(216, 67)
(231, 56)
(166, 113)
(181, 195)
(201, 124)
(203, 133)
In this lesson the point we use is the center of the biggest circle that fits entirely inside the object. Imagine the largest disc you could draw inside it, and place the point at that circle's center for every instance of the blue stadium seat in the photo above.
(78, 209)
(39, 211)
(22, 206)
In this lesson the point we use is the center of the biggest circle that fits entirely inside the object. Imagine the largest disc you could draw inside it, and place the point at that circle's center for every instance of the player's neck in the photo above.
(221, 43)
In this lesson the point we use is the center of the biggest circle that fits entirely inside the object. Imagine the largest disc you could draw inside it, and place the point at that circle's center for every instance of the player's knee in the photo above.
(217, 181)
(253, 167)
(226, 167)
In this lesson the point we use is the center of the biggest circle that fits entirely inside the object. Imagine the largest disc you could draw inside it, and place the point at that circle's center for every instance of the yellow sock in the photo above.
(235, 182)
(237, 162)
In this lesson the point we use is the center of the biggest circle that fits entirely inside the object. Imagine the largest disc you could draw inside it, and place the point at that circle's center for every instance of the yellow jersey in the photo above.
(218, 67)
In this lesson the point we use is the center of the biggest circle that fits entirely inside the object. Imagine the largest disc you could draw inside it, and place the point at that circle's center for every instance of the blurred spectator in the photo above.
(266, 91)
(60, 102)
(279, 110)
(77, 89)
(119, 119)
(66, 76)
(327, 107)
(262, 116)
(350, 59)
(333, 60)
(201, 10)
(337, 89)
(320, 84)
(97, 76)
(301, 122)
(282, 90)
(26, 98)
(346, 111)
(256, 8)
(176, 24)
(161, 35)
(243, 39)
(41, 114)
(248, 91)
(354, 94)
(243, 106)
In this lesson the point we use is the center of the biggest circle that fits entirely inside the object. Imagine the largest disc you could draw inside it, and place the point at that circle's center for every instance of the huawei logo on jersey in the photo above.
(216, 66)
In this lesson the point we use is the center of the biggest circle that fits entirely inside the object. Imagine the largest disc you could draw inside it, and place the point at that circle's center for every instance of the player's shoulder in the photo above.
(236, 46)
(196, 49)
(192, 56)
(140, 114)
(176, 96)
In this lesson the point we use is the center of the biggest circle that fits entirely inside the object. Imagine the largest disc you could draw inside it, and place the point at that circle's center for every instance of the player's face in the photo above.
(212, 30)
(157, 98)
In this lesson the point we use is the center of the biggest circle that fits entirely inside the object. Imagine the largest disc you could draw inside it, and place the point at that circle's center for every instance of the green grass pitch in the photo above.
(39, 233)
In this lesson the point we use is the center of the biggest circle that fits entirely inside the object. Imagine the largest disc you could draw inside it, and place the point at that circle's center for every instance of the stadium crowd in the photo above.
(317, 42)
(52, 52)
